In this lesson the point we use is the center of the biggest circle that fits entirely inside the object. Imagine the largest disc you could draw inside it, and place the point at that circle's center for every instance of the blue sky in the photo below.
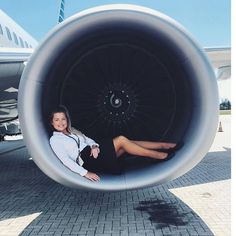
(207, 20)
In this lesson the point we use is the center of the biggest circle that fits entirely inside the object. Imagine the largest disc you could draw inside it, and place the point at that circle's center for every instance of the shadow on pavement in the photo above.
(166, 213)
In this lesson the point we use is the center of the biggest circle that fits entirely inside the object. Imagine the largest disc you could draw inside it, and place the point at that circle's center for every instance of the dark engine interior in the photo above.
(121, 80)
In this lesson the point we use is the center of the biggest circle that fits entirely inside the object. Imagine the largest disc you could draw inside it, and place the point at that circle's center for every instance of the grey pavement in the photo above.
(197, 203)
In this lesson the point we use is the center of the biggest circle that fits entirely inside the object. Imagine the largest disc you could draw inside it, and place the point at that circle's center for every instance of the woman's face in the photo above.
(59, 122)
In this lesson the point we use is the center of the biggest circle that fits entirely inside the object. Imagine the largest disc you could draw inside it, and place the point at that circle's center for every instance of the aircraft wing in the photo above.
(15, 54)
(221, 61)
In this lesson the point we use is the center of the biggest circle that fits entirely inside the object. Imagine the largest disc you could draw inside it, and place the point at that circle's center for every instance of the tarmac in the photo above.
(197, 203)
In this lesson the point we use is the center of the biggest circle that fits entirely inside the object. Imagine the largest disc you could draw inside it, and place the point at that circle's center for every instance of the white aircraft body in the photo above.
(12, 35)
(16, 46)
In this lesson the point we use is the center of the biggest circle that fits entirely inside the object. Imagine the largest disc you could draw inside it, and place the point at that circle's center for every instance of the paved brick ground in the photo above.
(33, 204)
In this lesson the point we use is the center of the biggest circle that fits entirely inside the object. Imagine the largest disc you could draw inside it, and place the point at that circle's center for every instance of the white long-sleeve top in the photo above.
(67, 150)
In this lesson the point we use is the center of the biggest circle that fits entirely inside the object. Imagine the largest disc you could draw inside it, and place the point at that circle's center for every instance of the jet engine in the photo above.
(121, 70)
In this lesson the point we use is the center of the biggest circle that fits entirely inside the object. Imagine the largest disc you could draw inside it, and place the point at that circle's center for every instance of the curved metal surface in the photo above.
(121, 69)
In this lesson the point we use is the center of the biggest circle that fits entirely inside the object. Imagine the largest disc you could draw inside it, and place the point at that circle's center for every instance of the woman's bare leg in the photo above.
(148, 145)
(154, 145)
(120, 152)
(122, 144)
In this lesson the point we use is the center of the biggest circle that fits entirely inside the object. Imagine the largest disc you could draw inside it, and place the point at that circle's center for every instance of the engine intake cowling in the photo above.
(121, 70)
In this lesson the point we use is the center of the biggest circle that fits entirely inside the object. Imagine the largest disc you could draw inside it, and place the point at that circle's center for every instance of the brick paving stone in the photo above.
(52, 209)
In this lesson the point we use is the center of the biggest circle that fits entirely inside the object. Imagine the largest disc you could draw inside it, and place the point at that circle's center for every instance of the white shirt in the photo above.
(67, 151)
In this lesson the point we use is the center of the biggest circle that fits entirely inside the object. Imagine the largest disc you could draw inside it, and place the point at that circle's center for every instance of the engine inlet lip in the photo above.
(198, 138)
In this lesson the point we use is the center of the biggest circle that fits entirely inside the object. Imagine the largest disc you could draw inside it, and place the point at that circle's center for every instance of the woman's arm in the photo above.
(86, 141)
(60, 152)
(92, 176)
(90, 142)
(68, 162)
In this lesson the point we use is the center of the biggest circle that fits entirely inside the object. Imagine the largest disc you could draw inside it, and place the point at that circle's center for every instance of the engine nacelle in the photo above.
(121, 70)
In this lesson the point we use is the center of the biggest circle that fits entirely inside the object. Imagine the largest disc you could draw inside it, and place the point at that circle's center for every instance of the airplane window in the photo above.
(26, 44)
(1, 31)
(21, 42)
(15, 38)
(8, 34)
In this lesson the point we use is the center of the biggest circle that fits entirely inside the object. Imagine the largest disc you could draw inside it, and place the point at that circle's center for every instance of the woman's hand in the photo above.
(94, 152)
(92, 176)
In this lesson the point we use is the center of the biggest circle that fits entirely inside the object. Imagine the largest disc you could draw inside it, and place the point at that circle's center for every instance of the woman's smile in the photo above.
(59, 122)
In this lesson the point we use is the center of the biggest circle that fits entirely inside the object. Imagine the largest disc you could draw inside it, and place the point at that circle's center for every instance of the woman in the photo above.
(84, 156)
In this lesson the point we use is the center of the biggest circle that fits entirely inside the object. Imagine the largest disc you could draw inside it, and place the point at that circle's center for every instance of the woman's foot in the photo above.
(172, 149)
(169, 156)
(177, 147)
(166, 146)
(164, 156)
(159, 155)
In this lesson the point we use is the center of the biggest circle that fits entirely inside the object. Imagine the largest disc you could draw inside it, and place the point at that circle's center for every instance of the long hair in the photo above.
(61, 109)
